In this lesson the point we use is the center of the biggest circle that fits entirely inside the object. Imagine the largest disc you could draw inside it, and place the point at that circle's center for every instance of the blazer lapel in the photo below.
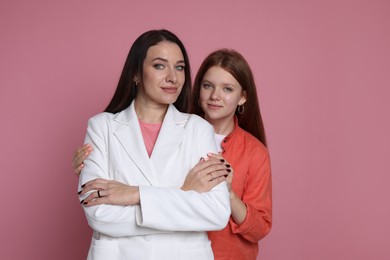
(129, 135)
(171, 135)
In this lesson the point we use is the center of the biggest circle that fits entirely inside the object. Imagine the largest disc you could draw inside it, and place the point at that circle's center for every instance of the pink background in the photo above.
(323, 73)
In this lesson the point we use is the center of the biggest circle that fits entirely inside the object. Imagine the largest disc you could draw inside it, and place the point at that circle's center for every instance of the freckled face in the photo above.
(220, 94)
(163, 74)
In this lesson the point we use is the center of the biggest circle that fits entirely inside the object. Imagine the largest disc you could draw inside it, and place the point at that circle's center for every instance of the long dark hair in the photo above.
(234, 63)
(126, 90)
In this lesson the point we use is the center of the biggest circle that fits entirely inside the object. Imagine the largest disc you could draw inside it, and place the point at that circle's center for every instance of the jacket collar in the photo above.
(128, 133)
(173, 115)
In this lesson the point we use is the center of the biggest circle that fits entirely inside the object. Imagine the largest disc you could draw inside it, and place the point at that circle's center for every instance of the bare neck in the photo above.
(223, 126)
(150, 113)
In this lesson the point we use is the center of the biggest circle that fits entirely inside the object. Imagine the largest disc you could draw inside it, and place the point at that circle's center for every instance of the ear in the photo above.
(243, 98)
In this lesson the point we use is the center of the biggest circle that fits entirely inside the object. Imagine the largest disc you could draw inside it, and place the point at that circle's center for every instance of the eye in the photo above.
(228, 89)
(180, 67)
(206, 85)
(159, 66)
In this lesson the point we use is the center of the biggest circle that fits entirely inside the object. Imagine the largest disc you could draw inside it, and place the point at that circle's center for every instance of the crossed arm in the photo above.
(202, 178)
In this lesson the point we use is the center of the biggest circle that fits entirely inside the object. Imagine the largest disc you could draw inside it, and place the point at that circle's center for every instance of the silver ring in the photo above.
(98, 192)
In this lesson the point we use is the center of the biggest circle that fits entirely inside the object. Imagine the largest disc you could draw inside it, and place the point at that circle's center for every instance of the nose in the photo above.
(215, 94)
(171, 76)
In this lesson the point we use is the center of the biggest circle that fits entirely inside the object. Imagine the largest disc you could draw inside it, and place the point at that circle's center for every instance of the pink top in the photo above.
(150, 134)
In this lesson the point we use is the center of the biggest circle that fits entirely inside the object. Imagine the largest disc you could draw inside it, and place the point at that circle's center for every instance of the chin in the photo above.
(212, 117)
(169, 101)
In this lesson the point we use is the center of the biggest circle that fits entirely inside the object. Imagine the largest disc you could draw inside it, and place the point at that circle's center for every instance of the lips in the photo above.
(170, 90)
(213, 106)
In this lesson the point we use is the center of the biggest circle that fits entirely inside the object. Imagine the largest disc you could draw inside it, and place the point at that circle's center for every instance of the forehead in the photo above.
(165, 50)
(218, 75)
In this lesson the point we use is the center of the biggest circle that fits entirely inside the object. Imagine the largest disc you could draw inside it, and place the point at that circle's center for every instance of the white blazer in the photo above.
(170, 223)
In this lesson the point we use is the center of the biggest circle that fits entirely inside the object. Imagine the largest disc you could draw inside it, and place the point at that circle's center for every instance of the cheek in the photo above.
(182, 78)
(203, 95)
(231, 101)
(147, 81)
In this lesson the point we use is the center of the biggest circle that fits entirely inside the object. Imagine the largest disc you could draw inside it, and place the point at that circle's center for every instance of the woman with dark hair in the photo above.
(224, 94)
(144, 146)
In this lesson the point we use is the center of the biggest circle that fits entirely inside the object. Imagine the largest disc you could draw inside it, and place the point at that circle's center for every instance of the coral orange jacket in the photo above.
(252, 183)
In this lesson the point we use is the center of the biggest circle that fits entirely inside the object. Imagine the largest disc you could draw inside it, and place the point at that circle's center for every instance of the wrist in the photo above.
(233, 195)
(135, 195)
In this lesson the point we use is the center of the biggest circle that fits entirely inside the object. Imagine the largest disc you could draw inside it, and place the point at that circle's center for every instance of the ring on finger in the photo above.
(98, 192)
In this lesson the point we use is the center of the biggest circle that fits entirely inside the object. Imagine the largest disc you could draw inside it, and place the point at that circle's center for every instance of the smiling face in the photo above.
(220, 94)
(163, 75)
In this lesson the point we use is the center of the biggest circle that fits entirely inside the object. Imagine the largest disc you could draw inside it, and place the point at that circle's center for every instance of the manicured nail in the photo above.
(79, 192)
(227, 165)
(82, 186)
(222, 160)
(85, 203)
(81, 202)
(228, 170)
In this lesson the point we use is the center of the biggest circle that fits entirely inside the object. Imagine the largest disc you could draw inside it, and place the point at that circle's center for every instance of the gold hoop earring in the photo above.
(240, 109)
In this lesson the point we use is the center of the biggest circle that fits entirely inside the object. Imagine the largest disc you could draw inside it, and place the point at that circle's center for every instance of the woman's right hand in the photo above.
(109, 192)
(206, 174)
(79, 156)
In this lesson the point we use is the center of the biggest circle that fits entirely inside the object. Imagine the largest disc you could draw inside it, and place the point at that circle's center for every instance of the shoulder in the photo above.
(191, 120)
(101, 122)
(251, 142)
(195, 119)
(199, 125)
(101, 118)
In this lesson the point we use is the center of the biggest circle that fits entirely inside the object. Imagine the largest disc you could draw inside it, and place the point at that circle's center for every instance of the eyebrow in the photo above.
(165, 60)
(225, 84)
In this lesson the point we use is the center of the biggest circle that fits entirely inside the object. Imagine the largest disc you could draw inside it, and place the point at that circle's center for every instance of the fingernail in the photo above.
(79, 192)
(222, 160)
(85, 203)
(228, 170)
(227, 165)
(81, 202)
(82, 186)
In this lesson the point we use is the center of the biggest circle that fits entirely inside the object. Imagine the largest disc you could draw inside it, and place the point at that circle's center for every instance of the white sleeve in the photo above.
(112, 220)
(186, 210)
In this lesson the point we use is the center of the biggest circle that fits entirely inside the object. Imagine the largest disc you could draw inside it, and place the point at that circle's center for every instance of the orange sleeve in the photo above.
(257, 197)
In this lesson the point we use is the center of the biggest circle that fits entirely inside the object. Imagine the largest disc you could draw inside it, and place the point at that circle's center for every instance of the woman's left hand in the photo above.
(229, 178)
(109, 192)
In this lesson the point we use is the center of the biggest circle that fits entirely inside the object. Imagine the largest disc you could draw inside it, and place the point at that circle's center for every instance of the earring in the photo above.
(240, 109)
(136, 83)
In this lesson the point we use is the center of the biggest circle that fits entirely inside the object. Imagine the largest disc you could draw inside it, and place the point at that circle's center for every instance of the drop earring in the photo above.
(240, 109)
